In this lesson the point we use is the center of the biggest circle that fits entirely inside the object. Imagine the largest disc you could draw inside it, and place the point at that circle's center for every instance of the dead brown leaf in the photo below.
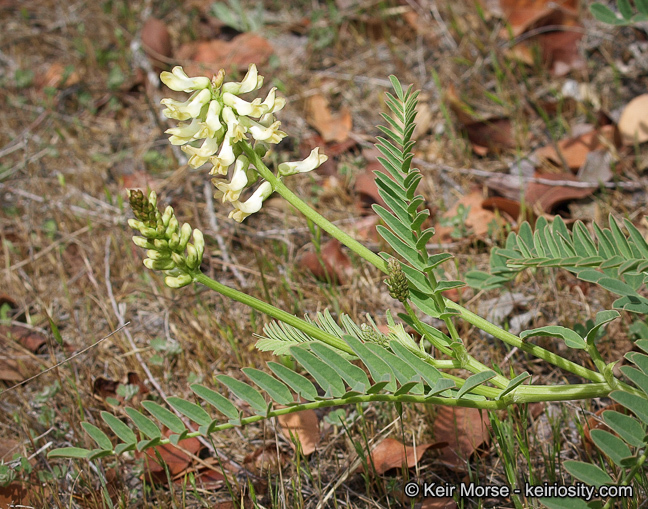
(304, 426)
(366, 189)
(332, 127)
(156, 41)
(265, 459)
(58, 77)
(477, 222)
(559, 43)
(465, 430)
(633, 124)
(546, 197)
(575, 149)
(390, 453)
(211, 56)
(337, 265)
(176, 459)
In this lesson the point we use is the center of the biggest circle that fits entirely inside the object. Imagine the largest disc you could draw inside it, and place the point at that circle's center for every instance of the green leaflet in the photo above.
(301, 385)
(378, 368)
(627, 427)
(275, 389)
(636, 404)
(475, 381)
(70, 452)
(513, 384)
(354, 376)
(144, 424)
(169, 419)
(571, 338)
(245, 392)
(191, 410)
(326, 376)
(119, 428)
(98, 436)
(588, 473)
(218, 401)
(429, 373)
(611, 445)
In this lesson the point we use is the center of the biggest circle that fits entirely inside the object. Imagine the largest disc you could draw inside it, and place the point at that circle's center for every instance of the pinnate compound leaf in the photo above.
(429, 373)
(218, 401)
(298, 383)
(275, 389)
(191, 410)
(98, 436)
(474, 381)
(143, 423)
(70, 452)
(611, 445)
(166, 417)
(636, 404)
(588, 473)
(245, 392)
(326, 377)
(119, 428)
(627, 427)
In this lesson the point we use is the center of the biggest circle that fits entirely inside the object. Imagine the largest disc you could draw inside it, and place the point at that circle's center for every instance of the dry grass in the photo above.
(66, 250)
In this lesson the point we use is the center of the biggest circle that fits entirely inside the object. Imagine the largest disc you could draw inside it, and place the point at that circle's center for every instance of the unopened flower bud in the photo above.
(178, 281)
(199, 244)
(192, 257)
(158, 264)
(142, 242)
(185, 233)
(397, 281)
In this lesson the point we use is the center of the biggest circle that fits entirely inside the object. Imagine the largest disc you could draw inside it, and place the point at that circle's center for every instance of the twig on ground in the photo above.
(122, 326)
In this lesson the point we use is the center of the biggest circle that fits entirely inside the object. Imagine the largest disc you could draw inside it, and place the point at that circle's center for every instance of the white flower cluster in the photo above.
(216, 114)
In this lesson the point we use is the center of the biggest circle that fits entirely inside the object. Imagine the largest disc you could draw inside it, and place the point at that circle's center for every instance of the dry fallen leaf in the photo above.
(559, 45)
(156, 42)
(478, 220)
(390, 453)
(437, 503)
(633, 124)
(332, 127)
(464, 429)
(265, 460)
(303, 425)
(211, 56)
(575, 149)
(175, 458)
(366, 189)
(546, 197)
(337, 265)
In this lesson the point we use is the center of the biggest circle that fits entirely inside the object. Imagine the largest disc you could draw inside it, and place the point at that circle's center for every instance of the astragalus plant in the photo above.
(348, 362)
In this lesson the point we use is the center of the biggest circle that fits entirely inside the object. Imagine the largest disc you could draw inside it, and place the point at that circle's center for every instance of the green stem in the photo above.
(318, 219)
(273, 312)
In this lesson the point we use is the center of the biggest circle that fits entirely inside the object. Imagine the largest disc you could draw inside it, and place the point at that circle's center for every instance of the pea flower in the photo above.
(314, 160)
(214, 122)
(178, 80)
(252, 204)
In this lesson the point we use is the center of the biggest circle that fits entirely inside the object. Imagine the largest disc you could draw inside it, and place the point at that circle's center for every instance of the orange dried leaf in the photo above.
(464, 429)
(303, 425)
(156, 41)
(546, 197)
(390, 453)
(332, 127)
(336, 264)
(575, 149)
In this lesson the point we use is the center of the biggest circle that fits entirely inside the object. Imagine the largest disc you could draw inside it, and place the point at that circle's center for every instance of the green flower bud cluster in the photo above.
(371, 335)
(167, 243)
(397, 281)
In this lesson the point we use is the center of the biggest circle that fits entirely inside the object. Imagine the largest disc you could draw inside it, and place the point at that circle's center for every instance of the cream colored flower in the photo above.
(188, 109)
(200, 155)
(224, 159)
(273, 104)
(184, 133)
(252, 204)
(314, 160)
(270, 134)
(178, 80)
(212, 124)
(231, 190)
(242, 107)
(235, 128)
(251, 81)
